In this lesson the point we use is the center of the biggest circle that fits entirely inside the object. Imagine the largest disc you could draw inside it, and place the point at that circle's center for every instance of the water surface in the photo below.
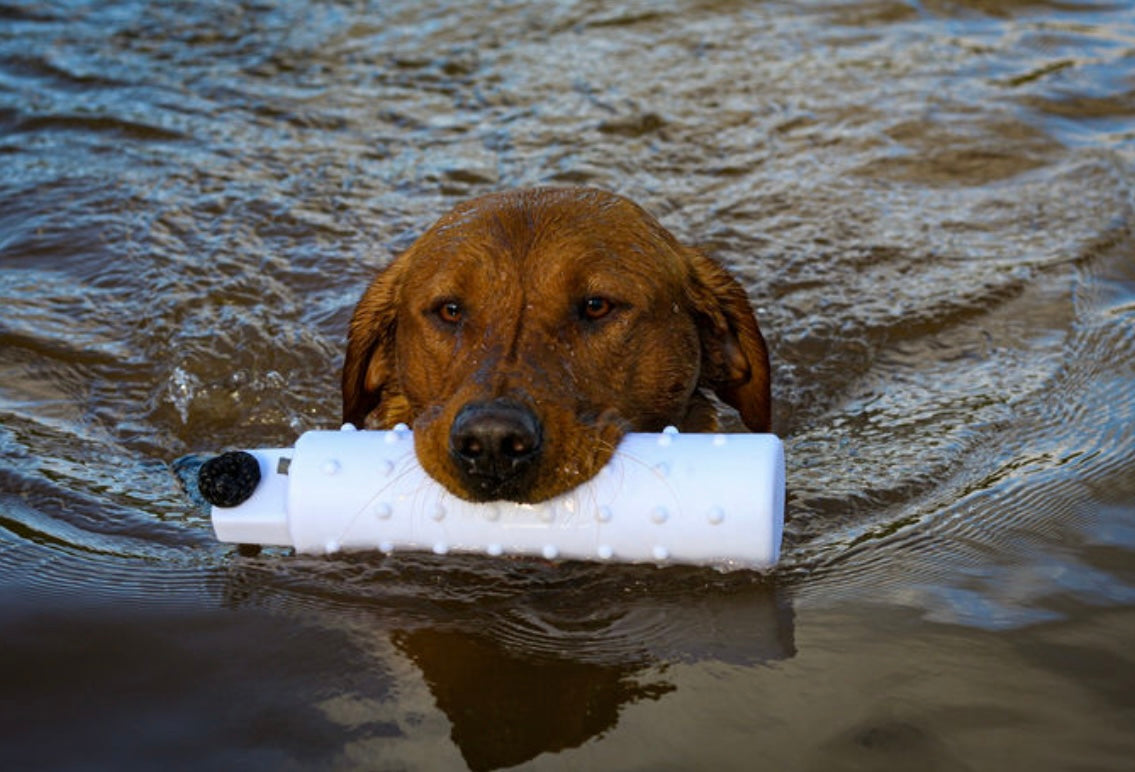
(930, 204)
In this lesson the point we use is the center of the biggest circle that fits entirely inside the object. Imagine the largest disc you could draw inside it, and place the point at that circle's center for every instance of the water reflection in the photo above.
(512, 694)
(506, 707)
(113, 687)
(526, 658)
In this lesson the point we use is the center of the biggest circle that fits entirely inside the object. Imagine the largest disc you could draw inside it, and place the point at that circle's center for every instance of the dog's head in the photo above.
(526, 332)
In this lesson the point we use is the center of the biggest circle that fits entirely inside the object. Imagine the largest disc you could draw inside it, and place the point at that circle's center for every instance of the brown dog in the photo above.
(525, 332)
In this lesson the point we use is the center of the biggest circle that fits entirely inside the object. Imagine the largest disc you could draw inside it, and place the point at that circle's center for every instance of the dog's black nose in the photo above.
(494, 444)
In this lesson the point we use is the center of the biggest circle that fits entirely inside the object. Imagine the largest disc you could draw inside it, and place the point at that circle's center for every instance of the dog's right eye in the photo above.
(595, 308)
(449, 311)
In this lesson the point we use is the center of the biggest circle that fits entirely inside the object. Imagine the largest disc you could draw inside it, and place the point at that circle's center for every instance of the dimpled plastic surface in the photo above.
(705, 499)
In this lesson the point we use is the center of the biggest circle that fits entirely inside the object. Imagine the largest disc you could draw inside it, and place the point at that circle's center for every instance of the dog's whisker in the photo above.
(404, 467)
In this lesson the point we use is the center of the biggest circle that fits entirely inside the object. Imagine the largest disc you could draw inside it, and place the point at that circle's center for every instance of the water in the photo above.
(931, 205)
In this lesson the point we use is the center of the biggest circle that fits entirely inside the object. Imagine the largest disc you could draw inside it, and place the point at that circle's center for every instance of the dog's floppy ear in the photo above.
(735, 363)
(369, 373)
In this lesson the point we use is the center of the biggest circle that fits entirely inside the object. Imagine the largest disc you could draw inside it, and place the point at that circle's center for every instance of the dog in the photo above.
(527, 331)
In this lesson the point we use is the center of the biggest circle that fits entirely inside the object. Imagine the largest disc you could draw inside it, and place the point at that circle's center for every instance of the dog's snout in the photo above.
(494, 443)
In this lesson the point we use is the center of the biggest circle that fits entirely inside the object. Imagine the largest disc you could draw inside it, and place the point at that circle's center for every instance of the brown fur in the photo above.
(520, 265)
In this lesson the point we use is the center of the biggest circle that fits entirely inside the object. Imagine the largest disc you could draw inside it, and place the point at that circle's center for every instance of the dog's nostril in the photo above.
(471, 447)
(518, 445)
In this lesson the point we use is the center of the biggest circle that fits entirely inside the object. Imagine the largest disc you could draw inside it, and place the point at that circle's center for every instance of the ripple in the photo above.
(86, 124)
(1001, 536)
(928, 223)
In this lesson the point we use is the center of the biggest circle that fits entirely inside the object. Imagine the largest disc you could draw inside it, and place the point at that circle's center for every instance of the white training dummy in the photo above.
(703, 499)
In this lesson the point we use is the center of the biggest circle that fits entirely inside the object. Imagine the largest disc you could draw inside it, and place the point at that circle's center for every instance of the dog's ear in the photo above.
(369, 372)
(735, 363)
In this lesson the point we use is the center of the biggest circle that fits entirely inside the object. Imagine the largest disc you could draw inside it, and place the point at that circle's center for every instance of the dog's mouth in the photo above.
(501, 450)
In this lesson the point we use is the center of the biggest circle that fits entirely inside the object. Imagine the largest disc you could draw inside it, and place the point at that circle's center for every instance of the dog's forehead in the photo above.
(549, 234)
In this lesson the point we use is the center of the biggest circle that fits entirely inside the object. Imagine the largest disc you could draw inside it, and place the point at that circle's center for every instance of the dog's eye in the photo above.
(450, 312)
(595, 308)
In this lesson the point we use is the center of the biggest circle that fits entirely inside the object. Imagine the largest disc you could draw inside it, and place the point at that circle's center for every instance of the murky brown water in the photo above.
(930, 203)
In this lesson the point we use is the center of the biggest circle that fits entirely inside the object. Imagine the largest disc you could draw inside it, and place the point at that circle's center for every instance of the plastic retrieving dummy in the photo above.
(703, 499)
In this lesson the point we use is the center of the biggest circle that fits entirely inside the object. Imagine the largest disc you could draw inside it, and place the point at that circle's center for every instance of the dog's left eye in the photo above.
(595, 308)
(449, 311)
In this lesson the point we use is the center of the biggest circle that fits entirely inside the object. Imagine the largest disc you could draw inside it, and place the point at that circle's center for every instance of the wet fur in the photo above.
(520, 264)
